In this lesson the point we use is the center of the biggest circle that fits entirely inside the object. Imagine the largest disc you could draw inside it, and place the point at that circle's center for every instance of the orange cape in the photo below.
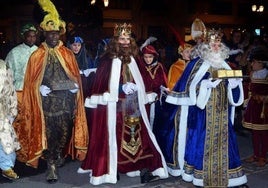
(31, 128)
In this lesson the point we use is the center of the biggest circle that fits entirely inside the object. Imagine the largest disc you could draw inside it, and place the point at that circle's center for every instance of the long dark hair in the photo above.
(115, 50)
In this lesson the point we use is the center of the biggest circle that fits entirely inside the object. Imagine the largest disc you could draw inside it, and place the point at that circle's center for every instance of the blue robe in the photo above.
(198, 132)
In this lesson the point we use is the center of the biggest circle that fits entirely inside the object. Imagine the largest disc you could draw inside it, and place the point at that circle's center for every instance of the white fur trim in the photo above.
(237, 181)
(241, 96)
(204, 94)
(174, 172)
(106, 178)
(198, 182)
(111, 121)
(231, 99)
(82, 171)
(182, 135)
(133, 173)
(161, 172)
(112, 96)
(187, 177)
(178, 101)
(231, 183)
(152, 114)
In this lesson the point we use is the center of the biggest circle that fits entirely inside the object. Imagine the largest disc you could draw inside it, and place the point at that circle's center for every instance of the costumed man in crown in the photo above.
(54, 121)
(207, 143)
(121, 140)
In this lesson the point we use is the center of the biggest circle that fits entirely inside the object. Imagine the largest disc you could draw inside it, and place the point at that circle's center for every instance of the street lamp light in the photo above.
(105, 2)
(256, 8)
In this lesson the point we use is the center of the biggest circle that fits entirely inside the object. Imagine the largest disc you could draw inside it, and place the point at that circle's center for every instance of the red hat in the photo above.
(149, 49)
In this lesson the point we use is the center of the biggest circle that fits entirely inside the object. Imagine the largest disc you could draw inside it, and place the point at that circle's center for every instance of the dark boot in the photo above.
(117, 176)
(147, 176)
(52, 176)
(59, 161)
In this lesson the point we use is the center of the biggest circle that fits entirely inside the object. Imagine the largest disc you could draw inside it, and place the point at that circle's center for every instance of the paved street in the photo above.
(257, 177)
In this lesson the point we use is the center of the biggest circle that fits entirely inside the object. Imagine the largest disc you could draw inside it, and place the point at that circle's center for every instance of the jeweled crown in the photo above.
(122, 29)
(214, 35)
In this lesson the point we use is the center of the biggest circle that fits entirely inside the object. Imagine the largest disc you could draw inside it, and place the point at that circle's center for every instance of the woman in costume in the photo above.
(85, 63)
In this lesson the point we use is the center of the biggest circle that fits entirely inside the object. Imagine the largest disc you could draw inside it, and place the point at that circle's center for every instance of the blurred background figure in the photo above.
(102, 46)
(177, 68)
(84, 60)
(17, 60)
(256, 112)
(8, 110)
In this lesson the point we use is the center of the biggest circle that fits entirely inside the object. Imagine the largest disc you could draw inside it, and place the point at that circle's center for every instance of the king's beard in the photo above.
(125, 53)
(215, 60)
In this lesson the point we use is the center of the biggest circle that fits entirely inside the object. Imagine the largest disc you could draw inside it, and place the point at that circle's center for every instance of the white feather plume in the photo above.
(147, 42)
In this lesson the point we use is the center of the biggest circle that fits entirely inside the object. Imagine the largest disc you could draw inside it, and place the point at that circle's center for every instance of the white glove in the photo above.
(11, 119)
(129, 88)
(234, 82)
(164, 90)
(44, 90)
(211, 84)
(87, 72)
(74, 90)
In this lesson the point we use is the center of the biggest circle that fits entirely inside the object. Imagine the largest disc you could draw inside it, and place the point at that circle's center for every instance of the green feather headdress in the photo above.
(51, 21)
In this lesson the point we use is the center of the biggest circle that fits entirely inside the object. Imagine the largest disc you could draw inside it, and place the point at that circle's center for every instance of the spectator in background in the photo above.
(265, 38)
(177, 68)
(102, 46)
(17, 58)
(256, 112)
(8, 110)
(236, 40)
(85, 63)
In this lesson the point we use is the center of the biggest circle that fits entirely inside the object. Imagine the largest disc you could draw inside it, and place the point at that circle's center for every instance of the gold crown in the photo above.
(184, 46)
(122, 29)
(214, 35)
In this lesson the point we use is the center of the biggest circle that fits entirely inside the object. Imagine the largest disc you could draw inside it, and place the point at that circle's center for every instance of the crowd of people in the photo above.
(129, 113)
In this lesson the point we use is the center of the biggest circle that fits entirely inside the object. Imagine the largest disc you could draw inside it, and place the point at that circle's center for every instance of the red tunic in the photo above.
(108, 143)
(256, 114)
